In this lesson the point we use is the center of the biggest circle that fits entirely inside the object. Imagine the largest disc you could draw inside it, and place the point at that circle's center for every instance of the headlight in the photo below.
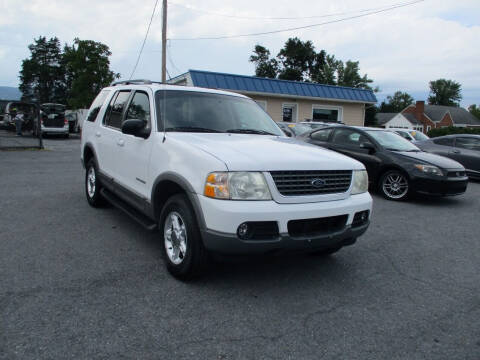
(429, 169)
(237, 186)
(360, 182)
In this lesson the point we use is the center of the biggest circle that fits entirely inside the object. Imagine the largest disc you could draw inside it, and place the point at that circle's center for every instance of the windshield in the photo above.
(190, 111)
(417, 135)
(392, 141)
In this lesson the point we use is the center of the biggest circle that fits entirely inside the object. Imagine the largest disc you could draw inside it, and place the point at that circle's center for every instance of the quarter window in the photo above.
(97, 105)
(113, 116)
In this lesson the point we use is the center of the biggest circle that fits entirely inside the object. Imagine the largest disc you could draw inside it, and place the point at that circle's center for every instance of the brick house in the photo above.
(438, 116)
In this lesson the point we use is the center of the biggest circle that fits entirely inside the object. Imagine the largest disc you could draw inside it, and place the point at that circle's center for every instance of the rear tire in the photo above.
(394, 185)
(93, 185)
(183, 250)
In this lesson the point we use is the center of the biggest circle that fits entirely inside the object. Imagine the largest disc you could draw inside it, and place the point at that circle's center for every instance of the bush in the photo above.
(453, 130)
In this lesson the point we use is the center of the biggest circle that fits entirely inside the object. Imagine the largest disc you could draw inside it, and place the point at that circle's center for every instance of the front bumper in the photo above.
(222, 218)
(441, 186)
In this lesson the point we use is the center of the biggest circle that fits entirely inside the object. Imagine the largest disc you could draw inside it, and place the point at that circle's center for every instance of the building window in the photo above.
(326, 113)
(289, 112)
(262, 104)
(429, 128)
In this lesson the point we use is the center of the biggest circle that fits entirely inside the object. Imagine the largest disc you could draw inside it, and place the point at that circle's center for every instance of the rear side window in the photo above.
(321, 135)
(444, 141)
(468, 143)
(348, 137)
(113, 116)
(97, 105)
(404, 135)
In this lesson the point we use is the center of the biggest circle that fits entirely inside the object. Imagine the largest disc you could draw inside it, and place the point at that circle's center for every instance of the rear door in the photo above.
(109, 133)
(467, 152)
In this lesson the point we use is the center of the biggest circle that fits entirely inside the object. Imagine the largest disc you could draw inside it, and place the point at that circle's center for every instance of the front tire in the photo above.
(394, 185)
(93, 185)
(183, 249)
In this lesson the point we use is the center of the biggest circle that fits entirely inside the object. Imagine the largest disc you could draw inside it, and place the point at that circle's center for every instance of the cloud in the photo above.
(402, 49)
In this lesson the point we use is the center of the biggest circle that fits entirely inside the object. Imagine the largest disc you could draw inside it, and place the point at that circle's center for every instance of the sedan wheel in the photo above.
(394, 185)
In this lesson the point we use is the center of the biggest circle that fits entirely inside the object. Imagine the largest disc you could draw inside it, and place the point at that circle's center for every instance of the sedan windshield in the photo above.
(419, 136)
(392, 141)
(190, 111)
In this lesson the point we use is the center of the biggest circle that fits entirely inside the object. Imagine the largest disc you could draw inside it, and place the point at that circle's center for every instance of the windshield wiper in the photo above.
(249, 131)
(192, 129)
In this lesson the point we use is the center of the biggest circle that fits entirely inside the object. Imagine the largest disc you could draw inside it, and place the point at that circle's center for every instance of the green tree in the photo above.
(42, 76)
(299, 61)
(87, 68)
(397, 102)
(474, 110)
(445, 92)
(296, 59)
(264, 66)
(349, 75)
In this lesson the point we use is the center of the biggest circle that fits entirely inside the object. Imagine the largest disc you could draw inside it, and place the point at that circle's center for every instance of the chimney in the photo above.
(419, 110)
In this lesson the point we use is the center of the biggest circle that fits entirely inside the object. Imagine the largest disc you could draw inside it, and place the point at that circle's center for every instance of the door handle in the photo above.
(97, 134)
(120, 142)
(456, 151)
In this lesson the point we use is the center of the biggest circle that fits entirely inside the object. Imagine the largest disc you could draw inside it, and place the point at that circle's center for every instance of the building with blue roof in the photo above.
(286, 100)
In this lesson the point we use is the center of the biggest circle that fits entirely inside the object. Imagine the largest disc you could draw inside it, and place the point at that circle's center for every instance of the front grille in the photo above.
(294, 183)
(456, 173)
(316, 227)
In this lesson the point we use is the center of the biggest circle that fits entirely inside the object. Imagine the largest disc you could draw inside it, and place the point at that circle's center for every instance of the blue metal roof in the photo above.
(215, 80)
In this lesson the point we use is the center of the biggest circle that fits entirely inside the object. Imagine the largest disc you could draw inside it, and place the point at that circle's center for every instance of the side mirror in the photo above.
(135, 127)
(368, 146)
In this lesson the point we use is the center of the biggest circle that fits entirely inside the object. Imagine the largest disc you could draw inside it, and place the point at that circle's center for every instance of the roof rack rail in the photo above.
(136, 82)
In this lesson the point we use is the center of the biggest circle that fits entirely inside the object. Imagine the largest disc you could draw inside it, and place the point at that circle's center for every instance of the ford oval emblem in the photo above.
(318, 183)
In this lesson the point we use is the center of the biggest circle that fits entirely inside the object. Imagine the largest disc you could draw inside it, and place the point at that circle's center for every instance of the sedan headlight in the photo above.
(237, 186)
(429, 169)
(360, 182)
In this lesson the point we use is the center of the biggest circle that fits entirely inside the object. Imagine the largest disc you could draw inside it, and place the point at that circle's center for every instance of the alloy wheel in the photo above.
(175, 237)
(395, 185)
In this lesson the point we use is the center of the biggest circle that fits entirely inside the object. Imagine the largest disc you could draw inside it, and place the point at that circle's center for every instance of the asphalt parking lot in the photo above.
(77, 282)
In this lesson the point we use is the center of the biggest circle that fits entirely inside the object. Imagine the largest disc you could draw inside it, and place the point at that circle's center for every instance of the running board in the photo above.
(136, 215)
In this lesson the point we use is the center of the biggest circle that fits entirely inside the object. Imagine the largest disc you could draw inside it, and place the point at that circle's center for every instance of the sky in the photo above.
(402, 49)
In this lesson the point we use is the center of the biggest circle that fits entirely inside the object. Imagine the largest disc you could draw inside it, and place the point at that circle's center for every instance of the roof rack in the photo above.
(136, 82)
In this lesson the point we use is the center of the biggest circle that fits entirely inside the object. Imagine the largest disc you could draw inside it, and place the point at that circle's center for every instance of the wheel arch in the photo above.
(88, 154)
(389, 167)
(169, 184)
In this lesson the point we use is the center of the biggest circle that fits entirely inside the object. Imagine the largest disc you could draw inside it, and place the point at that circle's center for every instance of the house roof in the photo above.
(253, 84)
(412, 118)
(383, 118)
(459, 115)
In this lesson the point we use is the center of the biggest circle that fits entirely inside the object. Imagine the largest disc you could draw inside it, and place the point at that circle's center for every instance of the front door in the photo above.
(135, 151)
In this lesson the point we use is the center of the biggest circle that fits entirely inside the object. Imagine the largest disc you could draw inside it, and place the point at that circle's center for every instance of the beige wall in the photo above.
(353, 113)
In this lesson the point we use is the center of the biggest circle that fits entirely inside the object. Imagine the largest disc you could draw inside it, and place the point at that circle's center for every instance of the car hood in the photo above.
(432, 159)
(245, 152)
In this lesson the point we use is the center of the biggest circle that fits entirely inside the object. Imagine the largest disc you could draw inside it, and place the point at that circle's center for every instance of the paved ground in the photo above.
(9, 140)
(76, 282)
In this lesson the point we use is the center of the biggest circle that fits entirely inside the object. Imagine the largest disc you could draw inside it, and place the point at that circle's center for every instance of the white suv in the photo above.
(215, 173)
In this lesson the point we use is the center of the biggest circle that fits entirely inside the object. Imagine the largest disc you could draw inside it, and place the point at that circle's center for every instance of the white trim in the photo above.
(331, 107)
(266, 94)
(294, 105)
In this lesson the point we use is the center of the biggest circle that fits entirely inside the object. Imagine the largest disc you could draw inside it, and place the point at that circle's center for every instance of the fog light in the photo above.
(360, 218)
(243, 231)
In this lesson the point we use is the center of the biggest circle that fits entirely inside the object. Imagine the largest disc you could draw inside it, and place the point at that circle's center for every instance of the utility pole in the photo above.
(164, 41)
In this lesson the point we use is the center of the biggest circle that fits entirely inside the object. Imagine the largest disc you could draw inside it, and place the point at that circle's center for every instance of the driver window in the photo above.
(139, 108)
(348, 137)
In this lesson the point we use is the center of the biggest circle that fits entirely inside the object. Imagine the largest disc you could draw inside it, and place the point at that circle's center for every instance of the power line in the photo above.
(144, 40)
(191, 8)
(400, 5)
(169, 55)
